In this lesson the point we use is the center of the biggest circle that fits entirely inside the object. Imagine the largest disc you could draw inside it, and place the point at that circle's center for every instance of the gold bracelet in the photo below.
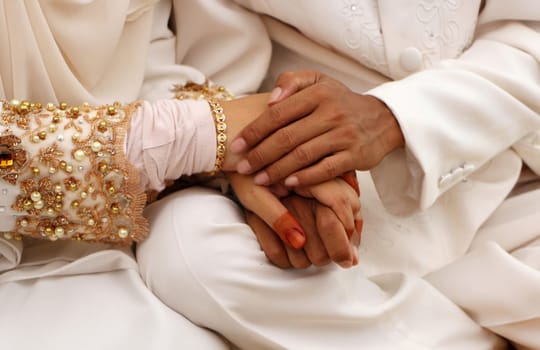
(221, 137)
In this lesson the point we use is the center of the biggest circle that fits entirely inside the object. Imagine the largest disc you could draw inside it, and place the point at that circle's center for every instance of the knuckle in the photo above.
(301, 264)
(276, 115)
(303, 155)
(285, 139)
(329, 167)
(252, 134)
(320, 259)
(277, 257)
(255, 157)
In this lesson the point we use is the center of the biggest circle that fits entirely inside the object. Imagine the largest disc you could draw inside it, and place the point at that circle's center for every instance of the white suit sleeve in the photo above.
(463, 112)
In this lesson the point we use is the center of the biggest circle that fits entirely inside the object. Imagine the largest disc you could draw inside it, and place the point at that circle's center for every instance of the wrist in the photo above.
(391, 136)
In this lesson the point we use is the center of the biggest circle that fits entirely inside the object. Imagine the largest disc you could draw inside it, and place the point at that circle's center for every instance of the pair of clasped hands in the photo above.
(293, 167)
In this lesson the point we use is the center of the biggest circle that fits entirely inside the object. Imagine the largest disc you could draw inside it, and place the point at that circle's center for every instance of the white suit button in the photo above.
(410, 59)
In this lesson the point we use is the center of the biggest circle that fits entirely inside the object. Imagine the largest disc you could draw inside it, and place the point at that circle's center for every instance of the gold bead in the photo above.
(27, 204)
(14, 103)
(52, 128)
(50, 211)
(115, 208)
(17, 237)
(69, 168)
(50, 107)
(58, 206)
(42, 135)
(52, 170)
(76, 136)
(35, 171)
(74, 111)
(75, 204)
(103, 167)
(102, 126)
(111, 190)
(58, 189)
(48, 231)
(63, 106)
(111, 110)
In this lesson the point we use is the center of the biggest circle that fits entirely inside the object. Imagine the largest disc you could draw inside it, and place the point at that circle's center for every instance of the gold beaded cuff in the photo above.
(64, 174)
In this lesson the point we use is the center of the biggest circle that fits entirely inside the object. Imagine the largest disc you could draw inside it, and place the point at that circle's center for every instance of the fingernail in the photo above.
(295, 238)
(346, 264)
(238, 146)
(289, 230)
(274, 96)
(243, 167)
(261, 179)
(355, 257)
(292, 181)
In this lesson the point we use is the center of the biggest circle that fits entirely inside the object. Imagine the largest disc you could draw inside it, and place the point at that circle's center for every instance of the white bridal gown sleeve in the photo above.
(90, 296)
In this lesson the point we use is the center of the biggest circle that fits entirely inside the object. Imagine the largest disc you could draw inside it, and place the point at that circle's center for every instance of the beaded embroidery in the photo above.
(67, 168)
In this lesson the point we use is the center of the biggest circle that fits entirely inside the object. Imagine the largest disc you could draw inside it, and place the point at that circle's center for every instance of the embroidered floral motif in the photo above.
(73, 179)
(442, 34)
(362, 33)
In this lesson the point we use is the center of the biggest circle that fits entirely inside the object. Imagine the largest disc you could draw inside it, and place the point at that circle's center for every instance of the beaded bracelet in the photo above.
(212, 94)
(221, 137)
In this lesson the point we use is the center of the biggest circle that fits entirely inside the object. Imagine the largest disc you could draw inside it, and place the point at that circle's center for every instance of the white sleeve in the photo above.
(463, 112)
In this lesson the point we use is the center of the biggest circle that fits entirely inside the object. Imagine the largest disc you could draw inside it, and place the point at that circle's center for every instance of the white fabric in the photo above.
(102, 51)
(227, 285)
(207, 265)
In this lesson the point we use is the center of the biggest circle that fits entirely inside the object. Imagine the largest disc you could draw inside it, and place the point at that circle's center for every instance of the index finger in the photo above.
(274, 118)
(261, 201)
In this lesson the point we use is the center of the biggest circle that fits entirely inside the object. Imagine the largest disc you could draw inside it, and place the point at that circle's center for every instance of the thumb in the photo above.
(266, 205)
(289, 83)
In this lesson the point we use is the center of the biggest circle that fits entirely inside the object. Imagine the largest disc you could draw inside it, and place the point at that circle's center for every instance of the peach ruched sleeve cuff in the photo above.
(171, 138)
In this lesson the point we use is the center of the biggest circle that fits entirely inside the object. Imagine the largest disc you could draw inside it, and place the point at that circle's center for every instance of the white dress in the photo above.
(202, 261)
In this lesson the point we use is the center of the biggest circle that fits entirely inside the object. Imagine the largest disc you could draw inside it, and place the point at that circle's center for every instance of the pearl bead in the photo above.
(57, 188)
(96, 146)
(35, 196)
(39, 204)
(8, 235)
(59, 231)
(23, 223)
(123, 232)
(69, 168)
(79, 155)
